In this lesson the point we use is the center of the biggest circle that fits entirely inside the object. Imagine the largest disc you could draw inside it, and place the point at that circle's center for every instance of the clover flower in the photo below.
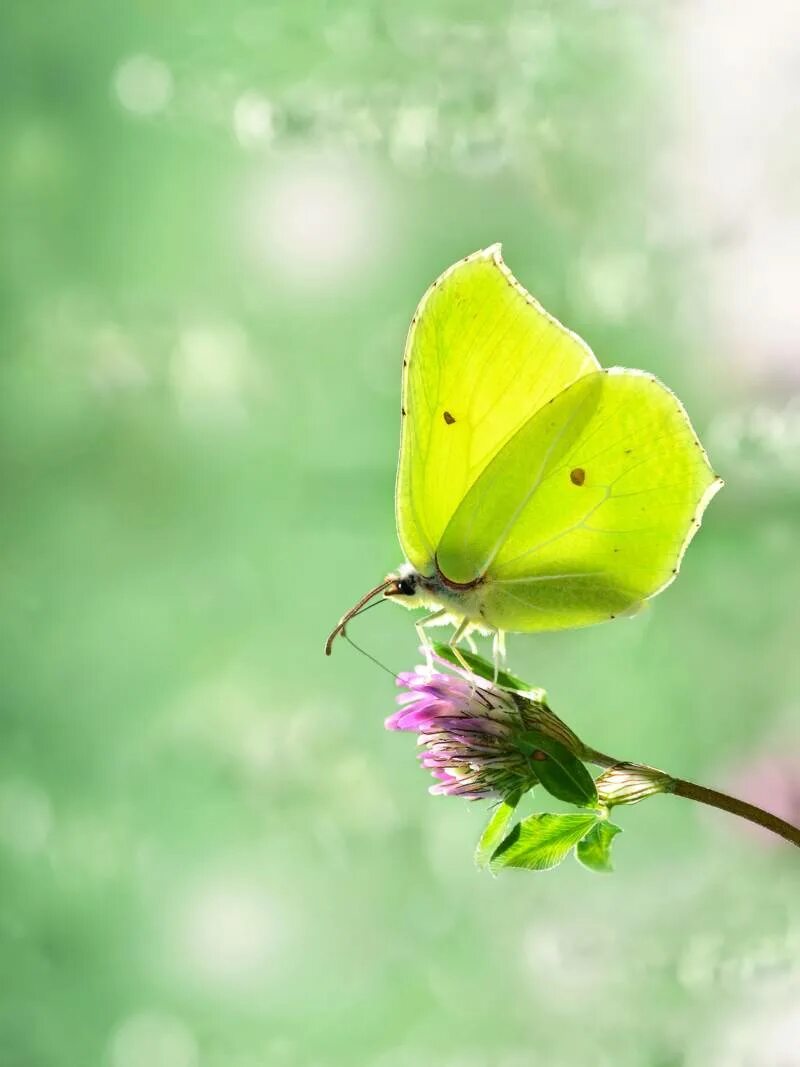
(484, 739)
(469, 730)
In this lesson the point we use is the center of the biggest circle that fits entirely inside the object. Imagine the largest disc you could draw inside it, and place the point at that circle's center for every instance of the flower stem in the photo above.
(712, 797)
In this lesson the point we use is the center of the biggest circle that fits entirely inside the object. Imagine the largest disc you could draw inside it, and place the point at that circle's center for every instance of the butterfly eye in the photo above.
(406, 586)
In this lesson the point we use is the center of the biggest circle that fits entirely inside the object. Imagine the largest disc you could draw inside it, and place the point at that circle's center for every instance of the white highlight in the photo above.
(764, 441)
(314, 222)
(413, 136)
(253, 120)
(614, 284)
(227, 930)
(143, 84)
(761, 1030)
(153, 1039)
(736, 171)
(210, 369)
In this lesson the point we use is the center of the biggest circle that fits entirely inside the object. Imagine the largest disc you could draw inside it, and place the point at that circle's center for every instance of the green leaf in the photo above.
(561, 773)
(542, 841)
(594, 851)
(495, 829)
(478, 665)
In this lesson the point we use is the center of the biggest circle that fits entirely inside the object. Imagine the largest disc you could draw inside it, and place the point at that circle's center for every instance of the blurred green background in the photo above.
(216, 222)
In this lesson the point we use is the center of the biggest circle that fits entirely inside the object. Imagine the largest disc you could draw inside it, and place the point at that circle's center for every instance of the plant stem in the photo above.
(712, 797)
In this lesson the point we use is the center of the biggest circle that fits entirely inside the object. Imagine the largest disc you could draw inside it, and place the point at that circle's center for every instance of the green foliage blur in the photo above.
(216, 222)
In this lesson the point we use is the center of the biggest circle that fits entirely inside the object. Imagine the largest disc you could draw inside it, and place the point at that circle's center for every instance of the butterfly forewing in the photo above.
(481, 357)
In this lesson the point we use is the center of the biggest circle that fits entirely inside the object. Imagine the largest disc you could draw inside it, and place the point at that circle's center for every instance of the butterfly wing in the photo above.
(587, 510)
(481, 356)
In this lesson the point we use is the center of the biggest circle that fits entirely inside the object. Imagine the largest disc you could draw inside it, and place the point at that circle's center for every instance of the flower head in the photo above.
(468, 730)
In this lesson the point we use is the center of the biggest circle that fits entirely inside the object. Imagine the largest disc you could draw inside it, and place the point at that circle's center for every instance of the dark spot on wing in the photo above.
(537, 754)
(577, 475)
(402, 411)
(448, 418)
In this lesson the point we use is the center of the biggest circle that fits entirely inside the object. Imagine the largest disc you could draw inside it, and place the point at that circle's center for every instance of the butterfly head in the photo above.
(404, 583)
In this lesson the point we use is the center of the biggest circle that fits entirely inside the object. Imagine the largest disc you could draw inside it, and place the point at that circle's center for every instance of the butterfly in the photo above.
(535, 489)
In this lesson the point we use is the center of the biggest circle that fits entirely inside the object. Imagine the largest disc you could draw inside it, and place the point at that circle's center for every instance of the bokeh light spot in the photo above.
(253, 120)
(315, 222)
(413, 136)
(613, 285)
(153, 1039)
(210, 368)
(228, 931)
(143, 84)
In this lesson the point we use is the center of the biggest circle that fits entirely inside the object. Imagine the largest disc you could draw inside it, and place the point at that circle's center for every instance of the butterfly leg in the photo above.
(425, 644)
(499, 651)
(459, 632)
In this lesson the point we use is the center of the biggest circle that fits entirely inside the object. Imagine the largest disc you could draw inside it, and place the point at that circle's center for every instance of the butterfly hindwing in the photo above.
(586, 511)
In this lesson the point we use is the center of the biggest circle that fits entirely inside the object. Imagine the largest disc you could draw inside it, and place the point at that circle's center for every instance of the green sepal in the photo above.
(628, 783)
(541, 842)
(562, 774)
(495, 829)
(594, 851)
(478, 665)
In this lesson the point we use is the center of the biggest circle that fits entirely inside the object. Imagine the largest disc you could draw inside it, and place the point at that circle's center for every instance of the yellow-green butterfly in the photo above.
(535, 490)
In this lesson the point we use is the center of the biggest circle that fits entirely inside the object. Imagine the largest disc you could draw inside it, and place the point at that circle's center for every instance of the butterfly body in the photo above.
(452, 604)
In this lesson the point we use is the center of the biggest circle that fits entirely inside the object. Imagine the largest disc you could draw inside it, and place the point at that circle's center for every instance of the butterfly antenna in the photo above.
(377, 662)
(369, 607)
(339, 628)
